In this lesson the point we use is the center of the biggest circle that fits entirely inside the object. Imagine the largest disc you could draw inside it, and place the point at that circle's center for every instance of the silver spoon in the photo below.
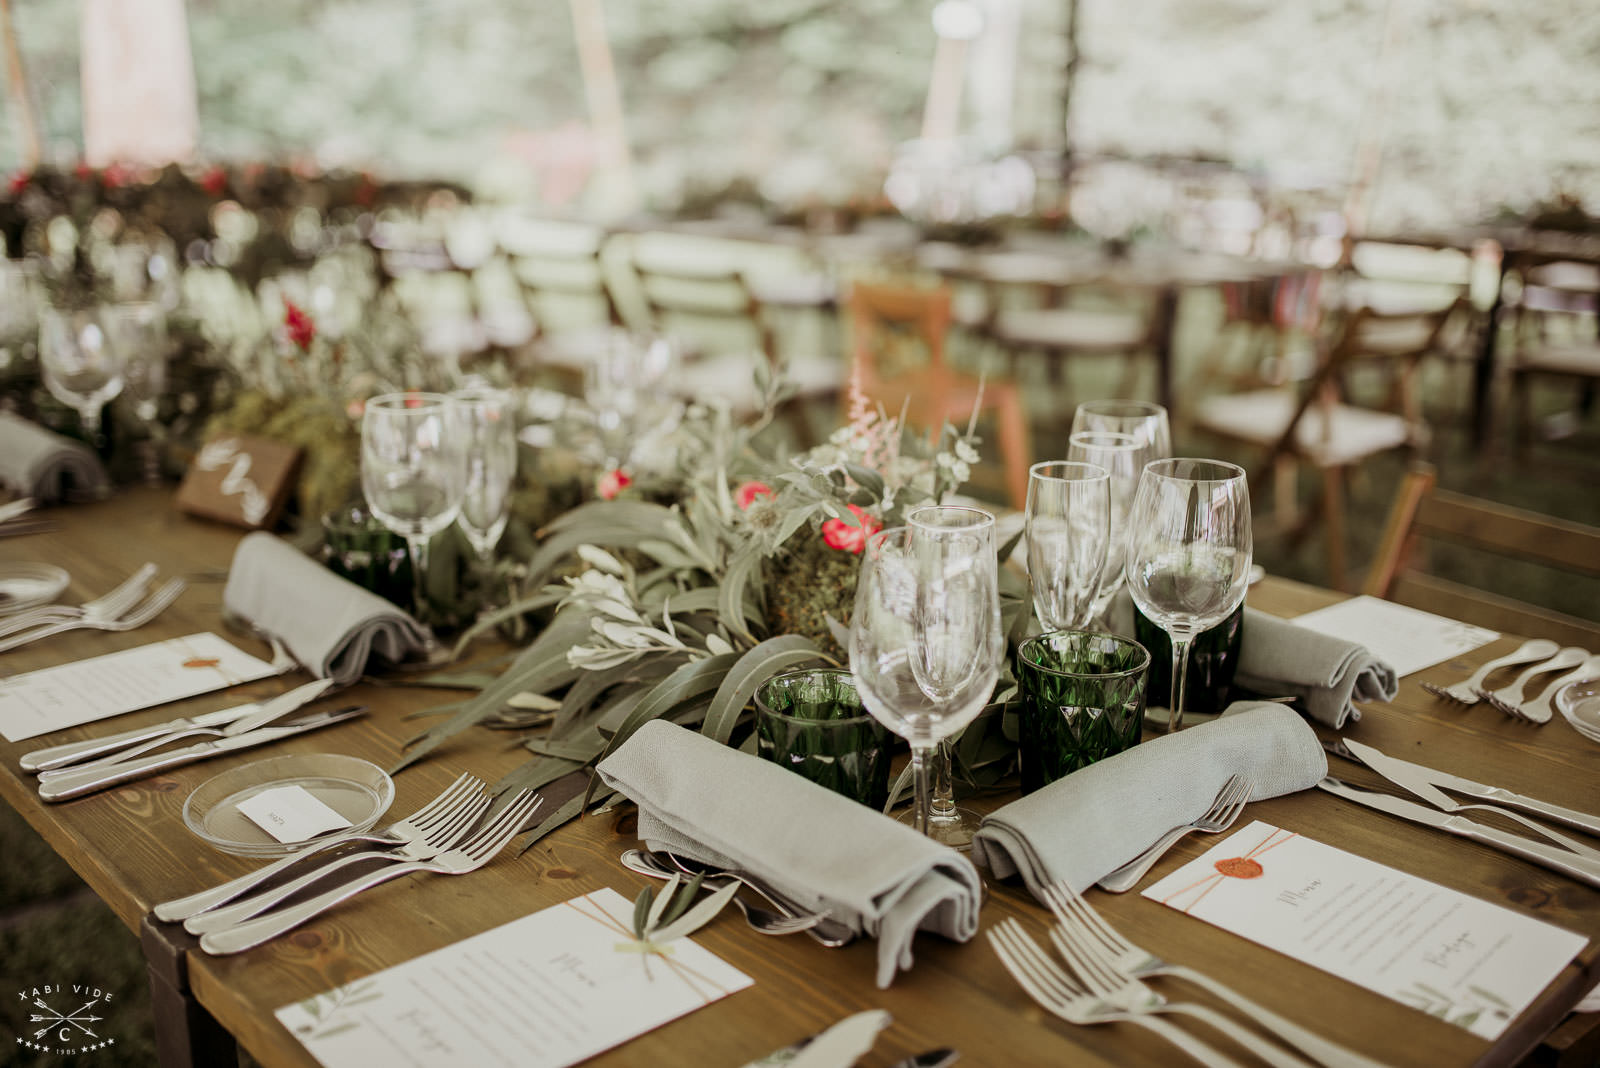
(764, 920)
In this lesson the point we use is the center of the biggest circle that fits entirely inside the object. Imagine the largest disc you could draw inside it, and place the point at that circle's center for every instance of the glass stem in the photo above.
(90, 418)
(1180, 677)
(919, 774)
(943, 804)
(417, 546)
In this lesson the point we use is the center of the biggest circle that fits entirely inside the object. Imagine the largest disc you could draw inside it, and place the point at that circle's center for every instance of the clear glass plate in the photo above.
(356, 789)
(27, 585)
(1579, 702)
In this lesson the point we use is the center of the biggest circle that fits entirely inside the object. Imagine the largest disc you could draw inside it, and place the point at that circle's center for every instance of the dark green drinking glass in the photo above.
(812, 722)
(1213, 658)
(1082, 701)
(360, 548)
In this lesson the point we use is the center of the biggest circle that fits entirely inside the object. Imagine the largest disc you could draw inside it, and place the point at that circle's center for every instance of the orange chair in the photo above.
(884, 318)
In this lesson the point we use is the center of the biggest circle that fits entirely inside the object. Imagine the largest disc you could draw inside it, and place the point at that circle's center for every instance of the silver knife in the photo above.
(1425, 782)
(1552, 857)
(128, 744)
(75, 782)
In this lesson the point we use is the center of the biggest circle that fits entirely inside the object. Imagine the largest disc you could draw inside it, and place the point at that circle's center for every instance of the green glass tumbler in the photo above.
(1213, 659)
(1083, 699)
(812, 722)
(357, 546)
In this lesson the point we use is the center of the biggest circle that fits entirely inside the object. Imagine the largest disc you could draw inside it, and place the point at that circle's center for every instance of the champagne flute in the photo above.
(1143, 419)
(1189, 545)
(1123, 457)
(413, 470)
(1068, 535)
(490, 428)
(82, 368)
(925, 641)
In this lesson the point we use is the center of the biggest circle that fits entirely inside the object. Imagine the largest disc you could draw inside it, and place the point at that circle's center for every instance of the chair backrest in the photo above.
(708, 302)
(561, 269)
(888, 321)
(1422, 514)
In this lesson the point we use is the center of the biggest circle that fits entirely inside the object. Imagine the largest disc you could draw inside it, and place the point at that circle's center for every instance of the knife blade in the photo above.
(1425, 782)
(1552, 857)
(75, 782)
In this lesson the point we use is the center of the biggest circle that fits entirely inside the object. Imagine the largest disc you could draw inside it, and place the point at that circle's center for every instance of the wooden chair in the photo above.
(1556, 326)
(886, 323)
(560, 267)
(1422, 512)
(1317, 427)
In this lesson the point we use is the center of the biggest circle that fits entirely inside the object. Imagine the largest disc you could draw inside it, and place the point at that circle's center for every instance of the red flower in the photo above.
(851, 537)
(83, 171)
(366, 191)
(746, 494)
(19, 182)
(302, 331)
(215, 181)
(116, 176)
(612, 483)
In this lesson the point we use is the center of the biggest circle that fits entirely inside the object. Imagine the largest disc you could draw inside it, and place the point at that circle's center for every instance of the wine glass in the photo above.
(413, 470)
(139, 330)
(1123, 457)
(82, 367)
(491, 438)
(622, 386)
(1189, 546)
(1069, 535)
(925, 641)
(1143, 419)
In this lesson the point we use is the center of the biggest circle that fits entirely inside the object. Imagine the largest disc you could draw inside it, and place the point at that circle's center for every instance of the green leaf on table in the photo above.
(746, 676)
(641, 914)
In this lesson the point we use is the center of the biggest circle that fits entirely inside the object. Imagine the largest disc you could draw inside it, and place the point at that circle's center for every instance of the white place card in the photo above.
(548, 990)
(1469, 962)
(1408, 639)
(291, 814)
(88, 690)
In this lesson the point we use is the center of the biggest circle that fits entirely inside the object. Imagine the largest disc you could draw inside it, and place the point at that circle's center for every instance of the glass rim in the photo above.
(1125, 442)
(980, 517)
(1091, 472)
(1119, 407)
(1037, 640)
(1234, 471)
(763, 709)
(409, 400)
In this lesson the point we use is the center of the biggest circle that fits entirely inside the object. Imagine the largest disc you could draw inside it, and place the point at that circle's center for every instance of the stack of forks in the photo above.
(1103, 982)
(1545, 656)
(128, 606)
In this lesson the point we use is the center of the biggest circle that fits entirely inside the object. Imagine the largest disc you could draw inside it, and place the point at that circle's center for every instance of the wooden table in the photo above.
(131, 846)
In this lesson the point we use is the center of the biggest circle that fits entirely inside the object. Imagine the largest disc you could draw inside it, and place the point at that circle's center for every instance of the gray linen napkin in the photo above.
(330, 624)
(727, 808)
(1276, 657)
(1087, 825)
(41, 464)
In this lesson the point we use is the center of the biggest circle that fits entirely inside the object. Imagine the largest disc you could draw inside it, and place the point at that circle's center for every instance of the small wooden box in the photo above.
(240, 480)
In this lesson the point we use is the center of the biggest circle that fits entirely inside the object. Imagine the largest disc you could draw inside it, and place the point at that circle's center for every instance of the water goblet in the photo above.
(1143, 419)
(489, 423)
(139, 329)
(1189, 546)
(82, 368)
(1068, 534)
(413, 471)
(925, 642)
(1123, 457)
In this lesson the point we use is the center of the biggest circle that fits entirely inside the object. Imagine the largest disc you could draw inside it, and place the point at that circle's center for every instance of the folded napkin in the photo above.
(1090, 823)
(330, 624)
(1277, 658)
(41, 464)
(718, 805)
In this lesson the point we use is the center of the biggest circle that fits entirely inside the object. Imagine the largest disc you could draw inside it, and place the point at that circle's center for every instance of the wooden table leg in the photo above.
(187, 1036)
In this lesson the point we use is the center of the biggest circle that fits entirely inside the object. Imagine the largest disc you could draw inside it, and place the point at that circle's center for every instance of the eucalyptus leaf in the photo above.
(659, 906)
(752, 669)
(697, 917)
(685, 898)
(641, 914)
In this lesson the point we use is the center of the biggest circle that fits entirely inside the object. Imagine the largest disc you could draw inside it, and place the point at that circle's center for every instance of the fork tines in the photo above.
(1514, 711)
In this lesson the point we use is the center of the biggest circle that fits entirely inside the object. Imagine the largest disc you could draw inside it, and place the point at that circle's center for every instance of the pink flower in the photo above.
(215, 181)
(302, 331)
(852, 538)
(612, 483)
(746, 494)
(19, 182)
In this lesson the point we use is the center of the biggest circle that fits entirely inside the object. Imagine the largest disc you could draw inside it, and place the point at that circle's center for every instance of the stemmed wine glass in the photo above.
(925, 641)
(621, 385)
(1068, 534)
(1123, 457)
(82, 367)
(139, 330)
(1189, 545)
(491, 436)
(1143, 419)
(413, 470)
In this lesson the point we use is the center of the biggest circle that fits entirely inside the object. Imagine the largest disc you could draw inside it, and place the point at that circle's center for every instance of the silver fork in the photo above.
(1049, 984)
(1507, 699)
(1123, 990)
(443, 835)
(1075, 914)
(1466, 691)
(134, 618)
(109, 605)
(428, 817)
(1230, 801)
(1537, 709)
(469, 856)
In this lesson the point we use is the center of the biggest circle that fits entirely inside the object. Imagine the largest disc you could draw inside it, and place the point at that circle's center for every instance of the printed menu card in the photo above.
(83, 691)
(548, 990)
(1469, 962)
